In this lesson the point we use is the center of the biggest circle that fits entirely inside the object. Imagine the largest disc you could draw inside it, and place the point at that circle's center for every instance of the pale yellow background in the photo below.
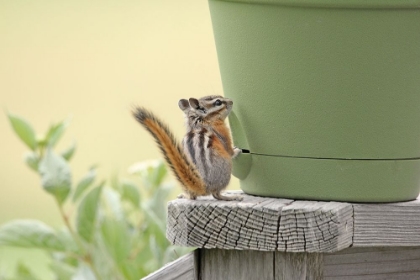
(92, 60)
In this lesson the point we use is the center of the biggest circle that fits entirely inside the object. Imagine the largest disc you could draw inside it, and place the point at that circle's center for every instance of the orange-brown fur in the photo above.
(181, 166)
(222, 129)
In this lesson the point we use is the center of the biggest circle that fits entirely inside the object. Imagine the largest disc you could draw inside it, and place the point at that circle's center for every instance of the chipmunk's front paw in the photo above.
(236, 152)
(181, 195)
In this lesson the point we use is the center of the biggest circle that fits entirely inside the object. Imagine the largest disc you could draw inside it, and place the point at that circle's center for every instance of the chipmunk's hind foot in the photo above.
(219, 196)
(187, 196)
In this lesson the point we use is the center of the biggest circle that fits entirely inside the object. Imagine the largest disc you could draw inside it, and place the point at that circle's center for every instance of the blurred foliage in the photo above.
(113, 230)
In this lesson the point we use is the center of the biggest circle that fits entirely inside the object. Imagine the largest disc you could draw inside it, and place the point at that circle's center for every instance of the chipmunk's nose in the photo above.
(229, 101)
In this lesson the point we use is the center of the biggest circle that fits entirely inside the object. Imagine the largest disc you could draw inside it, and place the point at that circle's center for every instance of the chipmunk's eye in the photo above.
(217, 102)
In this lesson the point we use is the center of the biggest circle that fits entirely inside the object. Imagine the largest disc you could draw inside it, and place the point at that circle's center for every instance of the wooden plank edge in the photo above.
(180, 269)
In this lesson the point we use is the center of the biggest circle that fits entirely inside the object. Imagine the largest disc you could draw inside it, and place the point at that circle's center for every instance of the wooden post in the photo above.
(261, 223)
(273, 239)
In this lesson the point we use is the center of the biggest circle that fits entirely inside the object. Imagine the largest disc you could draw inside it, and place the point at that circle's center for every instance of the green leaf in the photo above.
(69, 152)
(115, 182)
(30, 234)
(24, 130)
(115, 234)
(68, 241)
(32, 160)
(55, 175)
(159, 199)
(151, 172)
(86, 214)
(153, 219)
(62, 270)
(158, 173)
(23, 272)
(155, 224)
(83, 273)
(55, 132)
(113, 203)
(131, 270)
(84, 183)
(106, 267)
(130, 192)
(155, 248)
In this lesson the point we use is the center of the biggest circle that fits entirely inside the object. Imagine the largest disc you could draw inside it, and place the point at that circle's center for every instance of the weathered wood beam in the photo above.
(261, 223)
(184, 268)
(391, 224)
(298, 266)
(398, 263)
(278, 239)
(218, 264)
(375, 263)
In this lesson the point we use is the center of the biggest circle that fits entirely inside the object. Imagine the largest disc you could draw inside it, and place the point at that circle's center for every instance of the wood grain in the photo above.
(184, 268)
(260, 223)
(395, 263)
(393, 224)
(219, 264)
(402, 263)
(283, 239)
(398, 263)
(298, 266)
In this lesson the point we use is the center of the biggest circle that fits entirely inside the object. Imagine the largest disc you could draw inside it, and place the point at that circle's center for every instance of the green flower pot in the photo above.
(326, 96)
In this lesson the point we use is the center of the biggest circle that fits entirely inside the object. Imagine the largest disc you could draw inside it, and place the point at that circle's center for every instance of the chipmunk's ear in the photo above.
(183, 104)
(194, 103)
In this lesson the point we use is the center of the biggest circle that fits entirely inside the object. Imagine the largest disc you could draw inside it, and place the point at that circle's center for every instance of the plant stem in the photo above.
(86, 256)
(70, 228)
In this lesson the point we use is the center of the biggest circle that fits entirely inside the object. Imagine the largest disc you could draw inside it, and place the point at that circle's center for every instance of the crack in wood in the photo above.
(279, 233)
(206, 226)
(261, 224)
(223, 227)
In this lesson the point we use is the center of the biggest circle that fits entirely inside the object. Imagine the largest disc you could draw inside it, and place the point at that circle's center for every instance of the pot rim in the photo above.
(345, 4)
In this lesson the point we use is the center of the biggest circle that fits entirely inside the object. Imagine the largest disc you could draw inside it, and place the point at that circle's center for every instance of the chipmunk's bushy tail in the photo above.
(184, 170)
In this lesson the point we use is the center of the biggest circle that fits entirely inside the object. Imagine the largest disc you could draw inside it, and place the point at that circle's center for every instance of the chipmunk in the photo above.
(203, 163)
